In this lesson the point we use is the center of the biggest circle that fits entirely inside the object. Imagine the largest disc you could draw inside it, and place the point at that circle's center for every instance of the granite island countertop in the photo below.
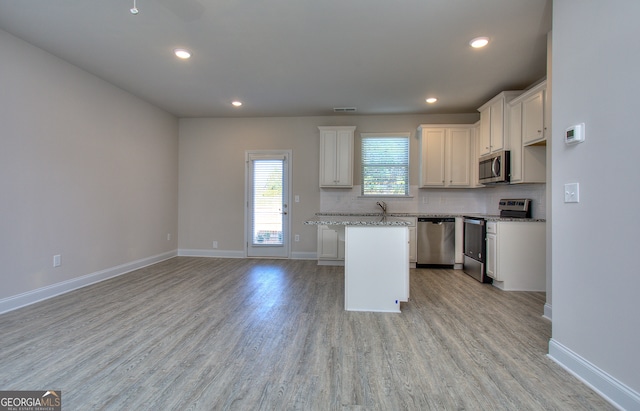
(358, 220)
(357, 216)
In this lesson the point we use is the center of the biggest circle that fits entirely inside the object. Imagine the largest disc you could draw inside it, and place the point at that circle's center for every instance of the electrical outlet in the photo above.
(296, 238)
(168, 236)
(215, 244)
(56, 260)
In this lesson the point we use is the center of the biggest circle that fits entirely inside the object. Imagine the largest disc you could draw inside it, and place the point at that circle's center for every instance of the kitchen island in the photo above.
(376, 261)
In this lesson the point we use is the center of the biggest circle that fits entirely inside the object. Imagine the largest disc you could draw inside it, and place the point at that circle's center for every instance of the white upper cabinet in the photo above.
(533, 119)
(475, 143)
(493, 122)
(445, 159)
(432, 148)
(459, 160)
(526, 135)
(336, 156)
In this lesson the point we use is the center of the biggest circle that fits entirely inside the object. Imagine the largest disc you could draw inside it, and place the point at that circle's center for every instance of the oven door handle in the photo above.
(474, 221)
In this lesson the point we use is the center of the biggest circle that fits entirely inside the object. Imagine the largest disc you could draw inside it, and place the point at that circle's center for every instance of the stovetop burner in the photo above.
(516, 208)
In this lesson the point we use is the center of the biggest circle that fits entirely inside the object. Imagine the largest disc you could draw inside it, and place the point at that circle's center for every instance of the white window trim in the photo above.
(407, 135)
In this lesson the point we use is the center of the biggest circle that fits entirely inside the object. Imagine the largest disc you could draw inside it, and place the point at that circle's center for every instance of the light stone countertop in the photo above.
(359, 216)
(358, 220)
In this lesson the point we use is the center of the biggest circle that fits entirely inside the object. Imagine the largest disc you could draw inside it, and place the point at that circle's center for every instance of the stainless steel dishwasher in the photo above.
(436, 242)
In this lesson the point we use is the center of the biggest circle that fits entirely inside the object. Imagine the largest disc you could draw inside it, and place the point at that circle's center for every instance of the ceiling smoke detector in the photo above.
(344, 109)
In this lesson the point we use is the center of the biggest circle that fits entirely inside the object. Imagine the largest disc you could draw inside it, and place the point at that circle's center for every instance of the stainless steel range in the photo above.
(515, 208)
(475, 236)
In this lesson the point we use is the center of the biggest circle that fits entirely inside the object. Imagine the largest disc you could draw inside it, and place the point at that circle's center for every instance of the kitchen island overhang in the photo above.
(376, 261)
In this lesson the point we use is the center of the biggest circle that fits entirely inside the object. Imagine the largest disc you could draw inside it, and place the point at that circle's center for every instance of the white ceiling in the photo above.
(295, 57)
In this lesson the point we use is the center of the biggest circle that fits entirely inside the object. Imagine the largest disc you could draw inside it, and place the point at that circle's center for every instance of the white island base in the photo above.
(376, 268)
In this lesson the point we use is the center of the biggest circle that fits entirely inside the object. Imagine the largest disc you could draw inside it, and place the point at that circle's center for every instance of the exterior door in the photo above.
(267, 221)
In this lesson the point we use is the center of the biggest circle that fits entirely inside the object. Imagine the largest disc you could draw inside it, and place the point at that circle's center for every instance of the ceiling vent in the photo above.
(344, 109)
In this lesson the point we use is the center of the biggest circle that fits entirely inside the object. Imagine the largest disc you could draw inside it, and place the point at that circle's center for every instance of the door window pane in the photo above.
(267, 202)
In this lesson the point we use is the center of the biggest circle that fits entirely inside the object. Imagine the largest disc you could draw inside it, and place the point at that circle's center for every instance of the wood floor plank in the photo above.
(249, 334)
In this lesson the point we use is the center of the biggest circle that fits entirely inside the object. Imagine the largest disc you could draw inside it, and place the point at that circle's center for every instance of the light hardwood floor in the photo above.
(216, 334)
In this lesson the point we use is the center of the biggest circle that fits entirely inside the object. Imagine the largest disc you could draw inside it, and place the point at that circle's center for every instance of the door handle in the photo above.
(495, 167)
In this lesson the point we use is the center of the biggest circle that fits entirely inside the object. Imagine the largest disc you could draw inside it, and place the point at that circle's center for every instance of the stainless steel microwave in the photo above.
(495, 168)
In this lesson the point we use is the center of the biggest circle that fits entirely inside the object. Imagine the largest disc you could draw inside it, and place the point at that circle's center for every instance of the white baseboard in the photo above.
(190, 252)
(548, 312)
(337, 263)
(303, 255)
(614, 391)
(40, 294)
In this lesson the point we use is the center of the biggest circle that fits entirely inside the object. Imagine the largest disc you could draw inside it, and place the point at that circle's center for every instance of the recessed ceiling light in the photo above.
(182, 53)
(431, 100)
(236, 103)
(479, 42)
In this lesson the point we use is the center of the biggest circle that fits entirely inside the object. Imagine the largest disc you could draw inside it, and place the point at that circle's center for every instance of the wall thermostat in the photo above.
(574, 134)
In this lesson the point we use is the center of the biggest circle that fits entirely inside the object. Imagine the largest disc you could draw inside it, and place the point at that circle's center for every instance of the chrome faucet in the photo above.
(383, 206)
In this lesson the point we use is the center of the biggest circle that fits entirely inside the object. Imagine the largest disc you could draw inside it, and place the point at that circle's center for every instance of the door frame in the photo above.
(286, 235)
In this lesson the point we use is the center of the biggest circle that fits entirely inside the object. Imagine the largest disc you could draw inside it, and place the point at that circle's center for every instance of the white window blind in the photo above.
(385, 165)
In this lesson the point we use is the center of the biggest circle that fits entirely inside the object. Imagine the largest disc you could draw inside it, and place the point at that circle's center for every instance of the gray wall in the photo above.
(596, 279)
(87, 171)
(212, 178)
(212, 170)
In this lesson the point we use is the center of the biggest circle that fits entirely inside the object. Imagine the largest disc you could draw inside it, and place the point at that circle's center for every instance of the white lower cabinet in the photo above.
(331, 243)
(516, 255)
(376, 268)
(492, 251)
(413, 244)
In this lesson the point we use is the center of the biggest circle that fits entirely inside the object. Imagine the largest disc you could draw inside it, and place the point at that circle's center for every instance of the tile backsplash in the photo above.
(436, 201)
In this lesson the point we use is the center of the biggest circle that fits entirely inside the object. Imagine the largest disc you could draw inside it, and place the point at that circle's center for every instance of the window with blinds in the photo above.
(385, 164)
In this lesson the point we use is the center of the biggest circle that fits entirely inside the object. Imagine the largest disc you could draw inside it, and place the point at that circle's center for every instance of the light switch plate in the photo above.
(572, 193)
